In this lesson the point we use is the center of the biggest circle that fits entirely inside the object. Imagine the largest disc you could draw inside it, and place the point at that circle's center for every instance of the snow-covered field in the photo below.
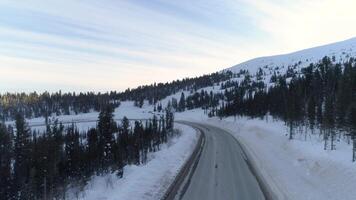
(85, 121)
(295, 169)
(149, 181)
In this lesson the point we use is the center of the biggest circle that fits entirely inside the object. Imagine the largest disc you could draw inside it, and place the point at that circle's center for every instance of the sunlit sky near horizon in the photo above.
(87, 45)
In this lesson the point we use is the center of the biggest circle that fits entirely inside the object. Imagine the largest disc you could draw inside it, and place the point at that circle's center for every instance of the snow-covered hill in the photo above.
(341, 51)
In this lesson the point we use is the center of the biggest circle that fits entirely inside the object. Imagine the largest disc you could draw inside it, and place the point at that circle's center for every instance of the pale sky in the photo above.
(102, 45)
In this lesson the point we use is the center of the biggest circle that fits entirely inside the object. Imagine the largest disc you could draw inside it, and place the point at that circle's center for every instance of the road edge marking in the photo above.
(187, 171)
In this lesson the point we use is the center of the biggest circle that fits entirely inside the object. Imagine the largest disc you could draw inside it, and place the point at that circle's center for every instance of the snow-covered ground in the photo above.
(149, 181)
(295, 169)
(342, 51)
(85, 121)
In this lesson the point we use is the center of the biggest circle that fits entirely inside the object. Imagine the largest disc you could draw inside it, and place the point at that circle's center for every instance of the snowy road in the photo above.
(222, 171)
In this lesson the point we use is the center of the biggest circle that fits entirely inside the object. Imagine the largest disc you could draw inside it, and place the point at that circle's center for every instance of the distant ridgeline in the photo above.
(41, 105)
(60, 161)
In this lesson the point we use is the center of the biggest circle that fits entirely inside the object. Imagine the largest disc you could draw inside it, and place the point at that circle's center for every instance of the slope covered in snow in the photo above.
(341, 51)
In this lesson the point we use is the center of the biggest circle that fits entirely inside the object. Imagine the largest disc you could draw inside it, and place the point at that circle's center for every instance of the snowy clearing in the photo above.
(149, 181)
(85, 121)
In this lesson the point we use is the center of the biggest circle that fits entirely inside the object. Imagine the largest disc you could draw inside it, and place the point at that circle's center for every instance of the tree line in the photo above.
(45, 104)
(155, 92)
(202, 99)
(45, 165)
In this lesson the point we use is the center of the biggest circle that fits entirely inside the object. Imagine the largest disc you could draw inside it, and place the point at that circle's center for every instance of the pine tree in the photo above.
(311, 113)
(22, 157)
(353, 131)
(5, 163)
(72, 152)
(155, 134)
(169, 119)
(124, 139)
(182, 103)
(93, 150)
(138, 143)
(106, 129)
(53, 156)
(259, 74)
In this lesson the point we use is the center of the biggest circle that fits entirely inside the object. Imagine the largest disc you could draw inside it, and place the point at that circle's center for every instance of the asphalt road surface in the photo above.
(222, 172)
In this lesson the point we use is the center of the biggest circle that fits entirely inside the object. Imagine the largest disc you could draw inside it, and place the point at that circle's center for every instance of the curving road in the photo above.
(222, 171)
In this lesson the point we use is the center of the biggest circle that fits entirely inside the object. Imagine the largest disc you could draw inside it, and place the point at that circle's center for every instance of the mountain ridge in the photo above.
(341, 51)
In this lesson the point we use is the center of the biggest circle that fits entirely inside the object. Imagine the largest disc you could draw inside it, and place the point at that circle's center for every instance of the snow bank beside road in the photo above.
(295, 169)
(148, 181)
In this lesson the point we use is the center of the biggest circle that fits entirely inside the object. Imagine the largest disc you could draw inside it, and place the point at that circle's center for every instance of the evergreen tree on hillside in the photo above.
(311, 113)
(93, 150)
(169, 119)
(352, 115)
(72, 152)
(22, 153)
(259, 74)
(106, 129)
(124, 139)
(5, 163)
(353, 131)
(138, 133)
(54, 140)
(182, 103)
